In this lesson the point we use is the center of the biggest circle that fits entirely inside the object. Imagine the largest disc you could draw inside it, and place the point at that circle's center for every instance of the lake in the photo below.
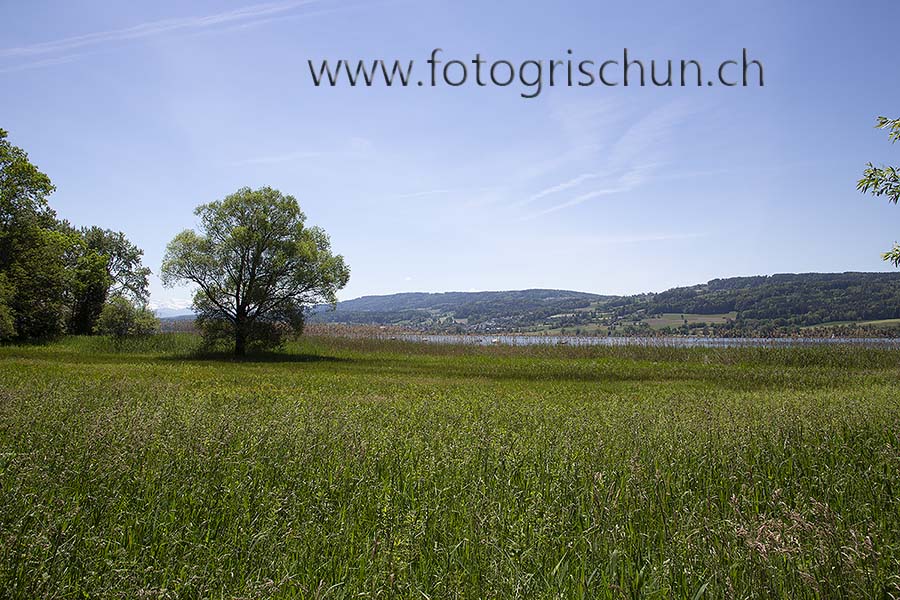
(678, 342)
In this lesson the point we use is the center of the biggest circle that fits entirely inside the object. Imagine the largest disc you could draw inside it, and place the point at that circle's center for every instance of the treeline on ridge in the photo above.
(754, 305)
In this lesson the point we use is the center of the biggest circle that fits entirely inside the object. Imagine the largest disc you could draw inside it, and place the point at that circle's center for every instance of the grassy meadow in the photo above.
(678, 319)
(375, 469)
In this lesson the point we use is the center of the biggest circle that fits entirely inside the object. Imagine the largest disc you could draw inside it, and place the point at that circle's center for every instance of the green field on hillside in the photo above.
(876, 323)
(678, 319)
(362, 469)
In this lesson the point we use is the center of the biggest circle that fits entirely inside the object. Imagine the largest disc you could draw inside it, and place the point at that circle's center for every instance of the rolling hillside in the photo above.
(469, 311)
(733, 306)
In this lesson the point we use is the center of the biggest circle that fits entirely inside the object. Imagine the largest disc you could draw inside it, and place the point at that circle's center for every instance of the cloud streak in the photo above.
(573, 202)
(560, 187)
(632, 160)
(151, 29)
(39, 64)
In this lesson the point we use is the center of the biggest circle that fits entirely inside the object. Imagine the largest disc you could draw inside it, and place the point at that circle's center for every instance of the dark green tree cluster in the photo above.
(465, 311)
(55, 278)
(780, 300)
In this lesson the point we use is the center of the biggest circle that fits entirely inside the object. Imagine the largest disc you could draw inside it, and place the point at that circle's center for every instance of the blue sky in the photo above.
(140, 111)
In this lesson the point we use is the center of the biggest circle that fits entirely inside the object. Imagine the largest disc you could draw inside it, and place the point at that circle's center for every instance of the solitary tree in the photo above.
(256, 266)
(885, 181)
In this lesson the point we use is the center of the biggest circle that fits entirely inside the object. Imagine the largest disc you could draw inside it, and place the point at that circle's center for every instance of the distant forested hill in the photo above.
(737, 305)
(787, 299)
(459, 310)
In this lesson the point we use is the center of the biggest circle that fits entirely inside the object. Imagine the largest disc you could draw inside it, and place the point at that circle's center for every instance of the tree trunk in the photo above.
(240, 339)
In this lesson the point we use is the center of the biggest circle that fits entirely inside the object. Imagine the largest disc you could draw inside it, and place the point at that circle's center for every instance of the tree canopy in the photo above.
(120, 318)
(23, 193)
(55, 278)
(128, 277)
(256, 265)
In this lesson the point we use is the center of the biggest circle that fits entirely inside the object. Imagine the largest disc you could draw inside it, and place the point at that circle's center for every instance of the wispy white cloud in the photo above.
(155, 28)
(587, 126)
(650, 136)
(39, 64)
(280, 18)
(623, 181)
(560, 187)
(632, 160)
(572, 202)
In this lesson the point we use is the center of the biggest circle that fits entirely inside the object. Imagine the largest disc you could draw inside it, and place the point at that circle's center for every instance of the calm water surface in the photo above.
(678, 342)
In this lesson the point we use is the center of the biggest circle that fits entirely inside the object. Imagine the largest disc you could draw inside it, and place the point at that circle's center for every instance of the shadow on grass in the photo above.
(256, 357)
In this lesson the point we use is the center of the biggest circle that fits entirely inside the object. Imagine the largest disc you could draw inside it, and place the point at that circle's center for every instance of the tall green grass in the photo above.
(349, 469)
(163, 343)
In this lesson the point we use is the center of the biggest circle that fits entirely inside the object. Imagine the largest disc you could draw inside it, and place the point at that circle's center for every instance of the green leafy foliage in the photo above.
(881, 181)
(41, 278)
(121, 318)
(127, 276)
(23, 195)
(884, 181)
(31, 255)
(88, 288)
(257, 267)
(893, 255)
(56, 278)
(891, 125)
(7, 324)
(105, 264)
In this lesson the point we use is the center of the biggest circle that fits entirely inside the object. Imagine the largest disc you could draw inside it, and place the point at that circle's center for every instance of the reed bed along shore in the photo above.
(370, 468)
